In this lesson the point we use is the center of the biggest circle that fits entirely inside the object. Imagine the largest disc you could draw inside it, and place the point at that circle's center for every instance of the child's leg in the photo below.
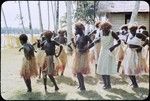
(119, 64)
(104, 80)
(28, 84)
(81, 81)
(108, 81)
(40, 72)
(95, 68)
(133, 80)
(54, 82)
(63, 68)
(45, 81)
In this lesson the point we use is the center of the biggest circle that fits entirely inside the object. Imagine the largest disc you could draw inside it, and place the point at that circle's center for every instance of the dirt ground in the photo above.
(13, 86)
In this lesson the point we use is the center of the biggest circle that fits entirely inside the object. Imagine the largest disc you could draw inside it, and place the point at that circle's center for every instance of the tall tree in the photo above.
(30, 23)
(57, 16)
(135, 12)
(40, 17)
(5, 21)
(21, 18)
(69, 21)
(48, 15)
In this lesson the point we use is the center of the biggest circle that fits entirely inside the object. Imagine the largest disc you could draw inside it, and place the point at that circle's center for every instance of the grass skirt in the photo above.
(29, 68)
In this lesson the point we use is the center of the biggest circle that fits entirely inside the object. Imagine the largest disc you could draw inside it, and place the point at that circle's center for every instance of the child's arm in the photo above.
(118, 41)
(20, 49)
(69, 45)
(61, 47)
(72, 40)
(34, 43)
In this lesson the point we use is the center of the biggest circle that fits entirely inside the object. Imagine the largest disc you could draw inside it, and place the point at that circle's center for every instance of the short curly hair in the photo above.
(106, 25)
(143, 27)
(79, 25)
(23, 38)
(124, 27)
(48, 34)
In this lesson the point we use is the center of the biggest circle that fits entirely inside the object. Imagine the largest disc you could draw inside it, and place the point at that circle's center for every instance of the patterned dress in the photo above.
(107, 64)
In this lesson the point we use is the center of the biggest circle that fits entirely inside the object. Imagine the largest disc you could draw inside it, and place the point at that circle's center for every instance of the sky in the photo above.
(11, 10)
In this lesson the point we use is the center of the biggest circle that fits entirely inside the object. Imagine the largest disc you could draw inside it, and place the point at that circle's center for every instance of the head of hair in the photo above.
(124, 27)
(48, 34)
(143, 27)
(23, 38)
(80, 26)
(106, 25)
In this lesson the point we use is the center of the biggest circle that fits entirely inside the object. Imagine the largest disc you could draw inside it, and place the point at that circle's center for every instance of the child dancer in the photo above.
(132, 65)
(49, 66)
(81, 62)
(97, 45)
(63, 56)
(29, 67)
(40, 56)
(106, 62)
(123, 37)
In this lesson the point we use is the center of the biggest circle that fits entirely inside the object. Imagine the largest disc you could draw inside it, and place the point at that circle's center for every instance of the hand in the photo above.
(111, 49)
(19, 50)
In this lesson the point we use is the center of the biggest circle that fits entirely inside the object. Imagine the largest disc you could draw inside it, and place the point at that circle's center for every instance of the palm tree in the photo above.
(30, 24)
(57, 16)
(48, 15)
(5, 21)
(69, 21)
(21, 18)
(40, 17)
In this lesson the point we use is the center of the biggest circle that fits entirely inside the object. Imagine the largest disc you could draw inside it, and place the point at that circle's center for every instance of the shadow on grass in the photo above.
(66, 80)
(141, 92)
(55, 96)
(124, 94)
(59, 80)
(49, 83)
(143, 78)
(27, 96)
(91, 95)
(91, 80)
(115, 80)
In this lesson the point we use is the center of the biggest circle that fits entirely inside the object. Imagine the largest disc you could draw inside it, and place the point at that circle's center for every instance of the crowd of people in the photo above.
(125, 52)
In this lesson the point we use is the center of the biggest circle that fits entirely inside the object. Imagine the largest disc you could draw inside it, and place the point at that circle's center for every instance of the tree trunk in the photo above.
(135, 12)
(57, 17)
(30, 24)
(53, 14)
(6, 28)
(40, 17)
(48, 15)
(69, 21)
(21, 18)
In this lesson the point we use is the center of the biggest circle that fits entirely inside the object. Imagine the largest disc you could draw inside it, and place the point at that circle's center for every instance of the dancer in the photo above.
(49, 66)
(63, 56)
(81, 62)
(106, 62)
(29, 66)
(121, 49)
(131, 62)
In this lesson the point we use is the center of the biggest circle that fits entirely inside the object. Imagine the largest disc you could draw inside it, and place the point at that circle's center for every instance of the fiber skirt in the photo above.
(81, 63)
(133, 63)
(29, 68)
